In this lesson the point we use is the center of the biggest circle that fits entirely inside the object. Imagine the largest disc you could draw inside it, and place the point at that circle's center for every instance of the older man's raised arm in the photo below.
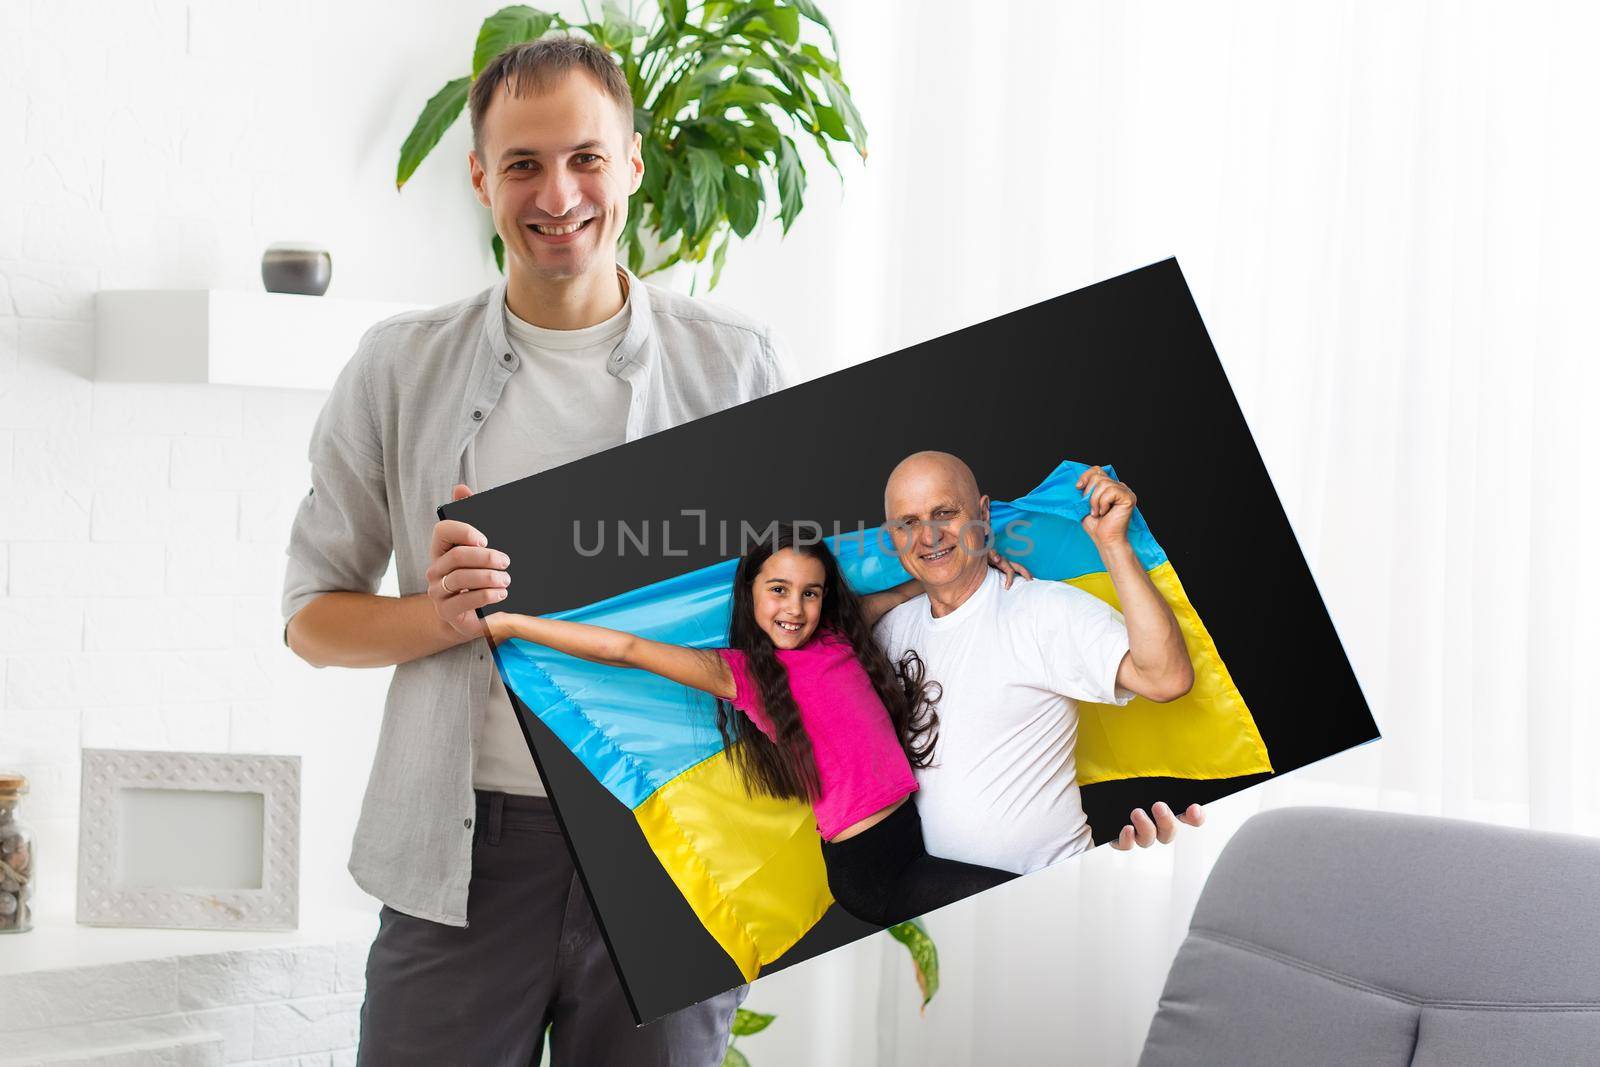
(1157, 665)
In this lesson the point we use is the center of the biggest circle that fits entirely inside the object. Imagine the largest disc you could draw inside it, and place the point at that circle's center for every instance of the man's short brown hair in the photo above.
(535, 66)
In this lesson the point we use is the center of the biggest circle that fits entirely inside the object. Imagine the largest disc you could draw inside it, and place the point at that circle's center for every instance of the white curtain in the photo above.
(1388, 216)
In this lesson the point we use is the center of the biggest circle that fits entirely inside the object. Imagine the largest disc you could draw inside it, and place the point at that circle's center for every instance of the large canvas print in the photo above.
(761, 725)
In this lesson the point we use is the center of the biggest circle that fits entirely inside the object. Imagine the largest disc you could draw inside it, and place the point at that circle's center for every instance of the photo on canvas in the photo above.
(765, 730)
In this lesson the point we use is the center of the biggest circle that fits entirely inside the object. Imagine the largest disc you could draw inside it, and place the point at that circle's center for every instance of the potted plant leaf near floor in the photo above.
(924, 958)
(723, 93)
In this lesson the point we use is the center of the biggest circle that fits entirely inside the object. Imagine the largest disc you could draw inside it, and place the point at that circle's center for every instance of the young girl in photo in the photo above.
(810, 708)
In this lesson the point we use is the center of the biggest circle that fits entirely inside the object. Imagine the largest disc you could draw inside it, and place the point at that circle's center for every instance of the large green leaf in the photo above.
(800, 101)
(704, 232)
(729, 142)
(791, 182)
(814, 13)
(747, 1022)
(705, 178)
(670, 201)
(830, 123)
(737, 94)
(788, 76)
(717, 259)
(924, 955)
(785, 22)
(680, 192)
(674, 13)
(616, 30)
(632, 243)
(617, 15)
(506, 27)
(712, 71)
(442, 109)
(657, 168)
(839, 97)
(744, 203)
(814, 58)
(760, 134)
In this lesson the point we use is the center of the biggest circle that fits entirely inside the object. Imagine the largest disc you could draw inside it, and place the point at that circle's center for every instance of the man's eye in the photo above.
(521, 164)
(585, 157)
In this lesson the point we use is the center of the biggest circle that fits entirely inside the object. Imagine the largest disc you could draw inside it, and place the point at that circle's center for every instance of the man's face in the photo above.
(940, 525)
(556, 171)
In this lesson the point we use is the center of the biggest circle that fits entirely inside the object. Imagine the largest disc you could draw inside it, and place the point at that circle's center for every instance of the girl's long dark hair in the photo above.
(783, 766)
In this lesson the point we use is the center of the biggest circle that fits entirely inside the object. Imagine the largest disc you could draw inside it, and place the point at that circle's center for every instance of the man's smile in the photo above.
(558, 232)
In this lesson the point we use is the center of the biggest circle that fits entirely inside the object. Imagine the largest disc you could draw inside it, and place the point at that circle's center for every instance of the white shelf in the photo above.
(58, 943)
(219, 337)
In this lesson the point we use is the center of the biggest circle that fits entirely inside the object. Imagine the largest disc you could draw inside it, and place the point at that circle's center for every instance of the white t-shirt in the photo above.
(1013, 664)
(560, 404)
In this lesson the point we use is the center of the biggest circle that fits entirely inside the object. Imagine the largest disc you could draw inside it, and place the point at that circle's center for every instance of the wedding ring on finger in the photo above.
(445, 585)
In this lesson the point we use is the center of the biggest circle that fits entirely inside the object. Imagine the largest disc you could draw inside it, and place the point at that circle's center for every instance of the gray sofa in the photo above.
(1327, 936)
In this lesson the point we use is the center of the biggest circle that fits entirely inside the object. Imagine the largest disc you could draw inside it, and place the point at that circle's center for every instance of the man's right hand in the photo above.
(464, 573)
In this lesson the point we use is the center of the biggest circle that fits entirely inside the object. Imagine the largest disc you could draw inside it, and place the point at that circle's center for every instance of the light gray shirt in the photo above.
(389, 445)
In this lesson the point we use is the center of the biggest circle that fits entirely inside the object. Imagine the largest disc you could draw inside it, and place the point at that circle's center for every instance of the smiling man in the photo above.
(486, 937)
(1013, 661)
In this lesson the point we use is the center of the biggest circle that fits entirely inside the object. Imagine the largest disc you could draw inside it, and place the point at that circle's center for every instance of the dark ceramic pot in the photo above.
(294, 267)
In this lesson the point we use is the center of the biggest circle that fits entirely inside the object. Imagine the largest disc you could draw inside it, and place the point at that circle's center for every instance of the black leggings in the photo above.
(884, 874)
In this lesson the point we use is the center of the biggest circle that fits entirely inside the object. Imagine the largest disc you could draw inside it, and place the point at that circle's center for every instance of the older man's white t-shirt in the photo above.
(1012, 664)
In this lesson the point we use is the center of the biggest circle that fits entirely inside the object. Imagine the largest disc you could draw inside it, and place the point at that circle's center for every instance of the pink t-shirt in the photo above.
(860, 764)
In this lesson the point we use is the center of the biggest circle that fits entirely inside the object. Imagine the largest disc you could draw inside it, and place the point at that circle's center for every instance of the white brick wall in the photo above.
(84, 568)
(142, 525)
(287, 1005)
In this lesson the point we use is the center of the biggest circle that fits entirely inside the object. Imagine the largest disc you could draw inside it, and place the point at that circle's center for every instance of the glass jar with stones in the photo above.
(17, 859)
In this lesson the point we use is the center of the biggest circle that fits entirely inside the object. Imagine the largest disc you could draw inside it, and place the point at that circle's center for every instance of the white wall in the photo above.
(1385, 214)
(165, 145)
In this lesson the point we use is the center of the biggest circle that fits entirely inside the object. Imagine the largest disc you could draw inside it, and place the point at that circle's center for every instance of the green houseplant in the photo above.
(924, 957)
(721, 91)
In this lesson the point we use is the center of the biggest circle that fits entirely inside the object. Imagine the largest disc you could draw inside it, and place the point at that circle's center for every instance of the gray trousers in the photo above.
(530, 958)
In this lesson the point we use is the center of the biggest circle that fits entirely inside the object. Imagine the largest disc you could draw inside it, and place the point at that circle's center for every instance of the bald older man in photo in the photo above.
(1013, 663)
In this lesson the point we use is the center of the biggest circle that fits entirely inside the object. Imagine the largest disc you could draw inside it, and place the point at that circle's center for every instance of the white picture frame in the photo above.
(189, 840)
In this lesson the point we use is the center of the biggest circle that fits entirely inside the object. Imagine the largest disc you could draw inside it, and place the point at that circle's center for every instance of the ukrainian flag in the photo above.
(750, 867)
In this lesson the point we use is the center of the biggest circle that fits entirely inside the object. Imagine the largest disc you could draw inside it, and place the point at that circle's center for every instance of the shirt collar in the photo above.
(970, 606)
(633, 351)
(494, 322)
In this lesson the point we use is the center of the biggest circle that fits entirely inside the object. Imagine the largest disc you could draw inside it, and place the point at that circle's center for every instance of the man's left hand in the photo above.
(1111, 505)
(1144, 833)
